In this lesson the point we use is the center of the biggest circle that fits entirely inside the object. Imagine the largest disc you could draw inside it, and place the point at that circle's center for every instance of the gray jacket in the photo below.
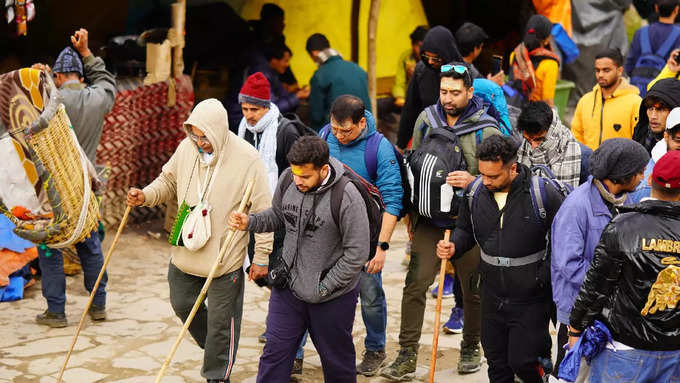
(87, 106)
(327, 253)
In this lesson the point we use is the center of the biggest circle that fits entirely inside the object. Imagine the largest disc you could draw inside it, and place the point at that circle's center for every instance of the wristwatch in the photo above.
(384, 246)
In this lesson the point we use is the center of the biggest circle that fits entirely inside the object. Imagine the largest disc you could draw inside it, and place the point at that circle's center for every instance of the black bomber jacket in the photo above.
(633, 284)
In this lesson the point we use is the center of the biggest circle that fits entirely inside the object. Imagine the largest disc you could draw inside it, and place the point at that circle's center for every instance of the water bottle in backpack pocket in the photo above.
(427, 167)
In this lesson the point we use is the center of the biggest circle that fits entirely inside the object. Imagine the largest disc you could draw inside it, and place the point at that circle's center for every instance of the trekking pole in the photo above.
(94, 289)
(227, 243)
(438, 311)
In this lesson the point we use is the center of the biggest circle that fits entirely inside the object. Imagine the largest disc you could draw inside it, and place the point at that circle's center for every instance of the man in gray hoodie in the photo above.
(317, 287)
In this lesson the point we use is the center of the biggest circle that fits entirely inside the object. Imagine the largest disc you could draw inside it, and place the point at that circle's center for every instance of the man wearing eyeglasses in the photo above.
(439, 47)
(456, 109)
(670, 142)
(549, 143)
(353, 140)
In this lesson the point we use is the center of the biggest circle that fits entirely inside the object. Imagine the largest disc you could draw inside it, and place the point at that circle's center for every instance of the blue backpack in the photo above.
(649, 64)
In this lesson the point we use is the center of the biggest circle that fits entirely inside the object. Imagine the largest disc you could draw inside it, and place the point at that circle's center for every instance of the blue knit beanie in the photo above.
(68, 61)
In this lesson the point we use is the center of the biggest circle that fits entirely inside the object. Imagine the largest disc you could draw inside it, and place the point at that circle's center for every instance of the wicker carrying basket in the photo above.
(62, 169)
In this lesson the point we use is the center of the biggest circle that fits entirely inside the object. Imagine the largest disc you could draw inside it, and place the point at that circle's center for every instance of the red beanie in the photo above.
(255, 90)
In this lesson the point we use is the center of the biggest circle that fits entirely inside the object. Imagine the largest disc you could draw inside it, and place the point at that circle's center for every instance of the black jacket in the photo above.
(668, 90)
(423, 89)
(286, 135)
(523, 233)
(638, 248)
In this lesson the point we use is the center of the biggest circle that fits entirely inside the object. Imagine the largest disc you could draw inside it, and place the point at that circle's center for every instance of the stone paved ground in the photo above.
(132, 343)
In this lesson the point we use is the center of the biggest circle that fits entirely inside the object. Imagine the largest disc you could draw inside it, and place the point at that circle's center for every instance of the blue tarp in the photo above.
(9, 240)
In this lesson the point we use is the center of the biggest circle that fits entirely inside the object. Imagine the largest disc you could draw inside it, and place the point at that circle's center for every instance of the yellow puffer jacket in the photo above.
(595, 121)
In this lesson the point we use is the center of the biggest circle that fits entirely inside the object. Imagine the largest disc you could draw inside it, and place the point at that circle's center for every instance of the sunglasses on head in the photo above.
(460, 69)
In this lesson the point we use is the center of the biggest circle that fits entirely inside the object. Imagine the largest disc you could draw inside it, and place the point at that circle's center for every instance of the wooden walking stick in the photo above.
(94, 289)
(438, 311)
(227, 243)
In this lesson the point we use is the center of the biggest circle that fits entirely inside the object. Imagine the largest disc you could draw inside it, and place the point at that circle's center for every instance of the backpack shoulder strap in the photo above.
(645, 44)
(667, 45)
(371, 154)
(325, 131)
(474, 192)
(433, 116)
(537, 191)
(337, 193)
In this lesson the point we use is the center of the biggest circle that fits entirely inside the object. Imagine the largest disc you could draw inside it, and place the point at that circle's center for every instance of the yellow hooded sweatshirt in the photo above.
(186, 170)
(596, 120)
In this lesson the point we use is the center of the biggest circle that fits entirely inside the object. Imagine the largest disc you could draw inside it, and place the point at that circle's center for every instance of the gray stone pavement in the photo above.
(131, 345)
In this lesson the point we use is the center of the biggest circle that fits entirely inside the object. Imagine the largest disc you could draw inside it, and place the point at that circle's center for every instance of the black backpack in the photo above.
(302, 129)
(437, 155)
(369, 193)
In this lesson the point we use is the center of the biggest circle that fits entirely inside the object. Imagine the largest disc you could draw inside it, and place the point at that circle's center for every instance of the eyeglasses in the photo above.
(460, 69)
(198, 139)
(343, 132)
(434, 59)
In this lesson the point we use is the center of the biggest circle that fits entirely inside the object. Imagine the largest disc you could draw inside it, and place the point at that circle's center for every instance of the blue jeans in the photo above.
(54, 280)
(373, 310)
(635, 366)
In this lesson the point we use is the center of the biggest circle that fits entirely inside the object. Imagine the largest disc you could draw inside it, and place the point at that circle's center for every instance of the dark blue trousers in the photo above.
(330, 327)
(54, 280)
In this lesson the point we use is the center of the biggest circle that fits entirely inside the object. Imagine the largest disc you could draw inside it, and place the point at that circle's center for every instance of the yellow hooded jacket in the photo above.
(597, 119)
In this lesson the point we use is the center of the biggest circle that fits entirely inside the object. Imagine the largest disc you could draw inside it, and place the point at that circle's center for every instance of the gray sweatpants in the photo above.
(217, 325)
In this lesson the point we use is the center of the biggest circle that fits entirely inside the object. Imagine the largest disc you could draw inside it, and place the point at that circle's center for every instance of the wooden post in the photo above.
(372, 32)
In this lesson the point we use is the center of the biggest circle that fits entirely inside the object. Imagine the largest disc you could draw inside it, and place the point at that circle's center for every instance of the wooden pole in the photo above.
(94, 290)
(372, 32)
(438, 311)
(204, 291)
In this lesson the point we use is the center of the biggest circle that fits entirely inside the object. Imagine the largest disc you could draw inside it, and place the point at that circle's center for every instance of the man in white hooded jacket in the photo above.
(215, 163)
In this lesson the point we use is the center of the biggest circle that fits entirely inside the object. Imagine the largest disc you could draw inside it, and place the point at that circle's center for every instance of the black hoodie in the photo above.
(667, 90)
(423, 90)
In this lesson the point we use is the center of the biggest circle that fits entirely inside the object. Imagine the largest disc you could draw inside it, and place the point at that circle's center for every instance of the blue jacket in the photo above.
(576, 231)
(388, 177)
(644, 189)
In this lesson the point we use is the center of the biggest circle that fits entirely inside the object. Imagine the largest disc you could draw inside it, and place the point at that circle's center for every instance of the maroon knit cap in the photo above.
(255, 90)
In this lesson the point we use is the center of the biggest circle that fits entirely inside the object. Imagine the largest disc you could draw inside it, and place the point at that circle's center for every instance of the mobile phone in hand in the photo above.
(676, 58)
(496, 64)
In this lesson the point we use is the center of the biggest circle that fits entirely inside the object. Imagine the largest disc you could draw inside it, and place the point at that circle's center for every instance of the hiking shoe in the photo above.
(51, 319)
(262, 338)
(372, 363)
(470, 358)
(404, 367)
(297, 367)
(448, 287)
(455, 322)
(97, 312)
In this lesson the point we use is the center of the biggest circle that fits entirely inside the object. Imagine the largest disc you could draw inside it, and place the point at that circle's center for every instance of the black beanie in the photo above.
(618, 158)
(317, 42)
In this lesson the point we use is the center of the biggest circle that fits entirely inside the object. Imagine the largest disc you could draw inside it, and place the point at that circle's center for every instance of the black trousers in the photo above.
(514, 336)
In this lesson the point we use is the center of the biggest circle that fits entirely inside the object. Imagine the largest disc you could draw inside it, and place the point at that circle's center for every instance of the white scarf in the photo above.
(267, 126)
